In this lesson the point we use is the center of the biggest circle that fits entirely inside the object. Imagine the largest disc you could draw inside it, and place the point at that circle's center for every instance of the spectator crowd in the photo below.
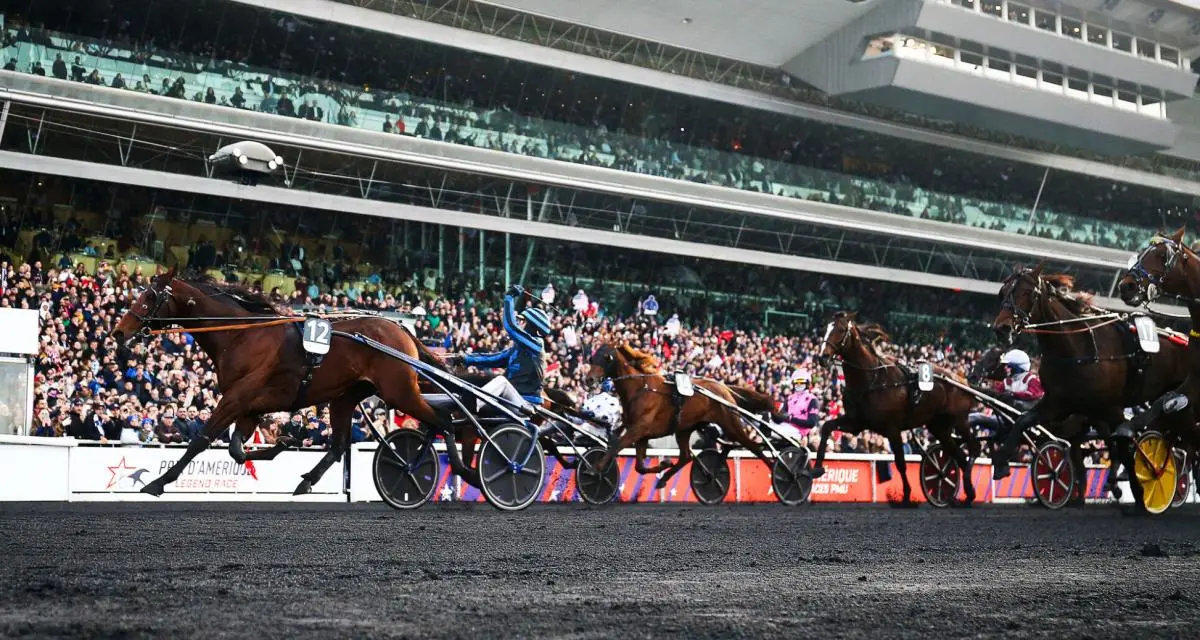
(163, 391)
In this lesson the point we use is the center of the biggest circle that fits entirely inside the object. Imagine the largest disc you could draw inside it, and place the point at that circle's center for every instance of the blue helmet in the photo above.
(607, 385)
(538, 320)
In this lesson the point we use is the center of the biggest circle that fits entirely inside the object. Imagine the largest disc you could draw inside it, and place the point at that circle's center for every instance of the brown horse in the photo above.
(1091, 363)
(879, 398)
(261, 366)
(1074, 429)
(1168, 267)
(651, 409)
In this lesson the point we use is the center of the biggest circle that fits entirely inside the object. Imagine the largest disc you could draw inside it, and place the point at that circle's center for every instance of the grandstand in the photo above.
(750, 201)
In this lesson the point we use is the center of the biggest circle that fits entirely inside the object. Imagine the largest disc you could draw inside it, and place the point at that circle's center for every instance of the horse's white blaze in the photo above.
(828, 332)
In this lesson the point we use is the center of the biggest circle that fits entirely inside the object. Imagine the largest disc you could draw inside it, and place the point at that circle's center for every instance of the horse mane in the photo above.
(251, 301)
(640, 360)
(1062, 286)
(874, 333)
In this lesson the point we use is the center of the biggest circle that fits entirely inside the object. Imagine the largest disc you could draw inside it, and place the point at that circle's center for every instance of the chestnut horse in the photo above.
(1091, 363)
(649, 409)
(1167, 267)
(878, 397)
(261, 366)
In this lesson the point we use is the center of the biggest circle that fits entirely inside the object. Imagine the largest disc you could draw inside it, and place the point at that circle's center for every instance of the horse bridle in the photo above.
(1021, 318)
(160, 297)
(1152, 285)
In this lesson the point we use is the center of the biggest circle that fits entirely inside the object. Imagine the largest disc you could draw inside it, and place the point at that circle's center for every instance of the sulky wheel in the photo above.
(406, 469)
(512, 467)
(791, 477)
(940, 476)
(1052, 475)
(1154, 468)
(595, 485)
(1183, 484)
(710, 476)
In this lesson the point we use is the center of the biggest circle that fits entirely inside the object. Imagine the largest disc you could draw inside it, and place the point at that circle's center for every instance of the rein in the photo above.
(266, 321)
(1108, 318)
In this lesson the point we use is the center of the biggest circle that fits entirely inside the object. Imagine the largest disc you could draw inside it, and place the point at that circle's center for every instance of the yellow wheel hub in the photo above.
(1154, 467)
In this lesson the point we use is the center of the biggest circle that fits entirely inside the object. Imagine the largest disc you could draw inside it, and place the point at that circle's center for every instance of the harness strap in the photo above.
(311, 362)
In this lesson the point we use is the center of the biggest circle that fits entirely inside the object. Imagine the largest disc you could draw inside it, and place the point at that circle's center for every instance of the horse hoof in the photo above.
(305, 487)
(155, 488)
(1000, 473)
(662, 482)
(1117, 493)
(817, 472)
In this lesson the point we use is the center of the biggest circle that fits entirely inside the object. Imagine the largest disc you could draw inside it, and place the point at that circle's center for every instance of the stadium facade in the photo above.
(1057, 101)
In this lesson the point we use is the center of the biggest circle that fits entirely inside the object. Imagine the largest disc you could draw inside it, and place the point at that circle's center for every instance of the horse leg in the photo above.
(398, 387)
(827, 428)
(626, 440)
(230, 408)
(1012, 440)
(898, 453)
(549, 444)
(1079, 491)
(733, 427)
(340, 413)
(944, 435)
(683, 439)
(241, 432)
(640, 465)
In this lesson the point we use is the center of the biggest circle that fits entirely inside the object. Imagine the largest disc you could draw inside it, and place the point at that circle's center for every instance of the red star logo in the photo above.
(115, 478)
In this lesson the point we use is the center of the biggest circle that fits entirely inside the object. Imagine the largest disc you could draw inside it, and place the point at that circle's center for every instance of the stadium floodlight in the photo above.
(246, 161)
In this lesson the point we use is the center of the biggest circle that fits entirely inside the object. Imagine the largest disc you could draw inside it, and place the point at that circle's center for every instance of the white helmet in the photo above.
(1016, 359)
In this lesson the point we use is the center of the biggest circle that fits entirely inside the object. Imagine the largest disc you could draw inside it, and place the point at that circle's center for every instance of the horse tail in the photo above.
(560, 398)
(424, 354)
(752, 400)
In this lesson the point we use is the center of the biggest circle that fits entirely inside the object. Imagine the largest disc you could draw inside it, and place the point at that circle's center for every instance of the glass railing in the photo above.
(235, 85)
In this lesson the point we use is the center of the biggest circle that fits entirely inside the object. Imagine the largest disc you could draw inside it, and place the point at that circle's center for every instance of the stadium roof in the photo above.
(771, 32)
(762, 32)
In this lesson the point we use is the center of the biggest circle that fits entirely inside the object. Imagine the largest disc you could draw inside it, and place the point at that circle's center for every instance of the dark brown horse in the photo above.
(990, 368)
(649, 409)
(879, 397)
(1091, 363)
(1167, 267)
(261, 366)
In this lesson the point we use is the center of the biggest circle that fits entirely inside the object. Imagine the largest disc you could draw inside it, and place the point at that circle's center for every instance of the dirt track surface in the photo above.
(161, 569)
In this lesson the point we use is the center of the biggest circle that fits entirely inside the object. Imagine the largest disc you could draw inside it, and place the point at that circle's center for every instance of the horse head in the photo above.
(840, 334)
(157, 300)
(988, 367)
(606, 362)
(1019, 296)
(1157, 270)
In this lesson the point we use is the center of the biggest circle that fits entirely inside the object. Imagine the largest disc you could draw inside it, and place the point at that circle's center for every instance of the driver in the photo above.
(522, 362)
(1021, 387)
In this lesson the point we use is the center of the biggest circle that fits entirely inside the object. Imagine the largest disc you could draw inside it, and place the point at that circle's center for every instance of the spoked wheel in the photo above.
(1183, 484)
(512, 467)
(596, 485)
(1053, 475)
(791, 477)
(710, 476)
(406, 469)
(940, 476)
(1154, 468)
